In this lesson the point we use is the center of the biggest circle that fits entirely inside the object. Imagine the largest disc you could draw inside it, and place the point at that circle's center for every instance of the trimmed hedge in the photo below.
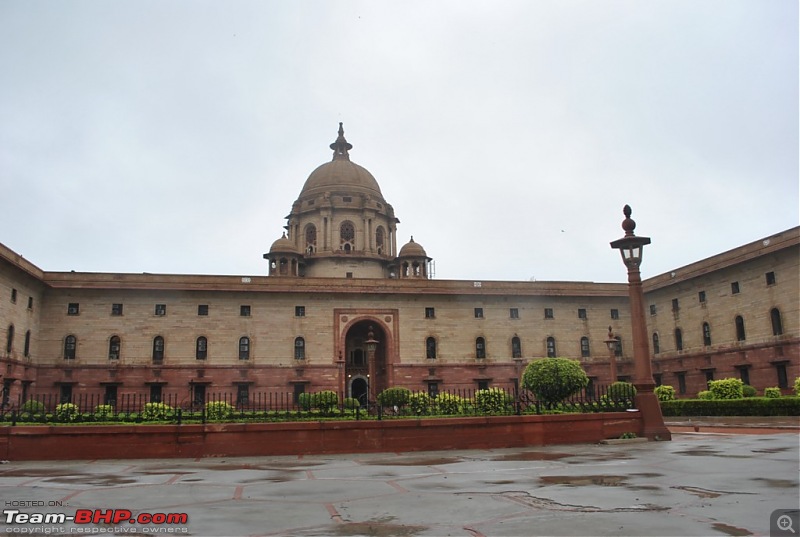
(752, 406)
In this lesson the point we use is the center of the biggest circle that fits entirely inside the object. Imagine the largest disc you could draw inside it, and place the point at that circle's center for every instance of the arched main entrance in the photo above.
(365, 370)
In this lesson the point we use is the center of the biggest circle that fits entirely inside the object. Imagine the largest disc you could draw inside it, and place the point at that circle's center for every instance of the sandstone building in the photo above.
(337, 283)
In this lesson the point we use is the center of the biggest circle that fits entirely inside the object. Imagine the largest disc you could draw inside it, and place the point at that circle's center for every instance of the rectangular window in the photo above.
(513, 313)
(66, 393)
(701, 296)
(110, 397)
(30, 302)
(299, 389)
(675, 305)
(244, 310)
(770, 278)
(709, 374)
(744, 374)
(242, 394)
(652, 309)
(348, 275)
(657, 379)
(202, 309)
(13, 296)
(161, 309)
(73, 308)
(430, 313)
(582, 313)
(199, 394)
(299, 311)
(116, 309)
(734, 288)
(156, 393)
(479, 313)
(433, 390)
(783, 379)
(548, 313)
(681, 383)
(614, 313)
(483, 384)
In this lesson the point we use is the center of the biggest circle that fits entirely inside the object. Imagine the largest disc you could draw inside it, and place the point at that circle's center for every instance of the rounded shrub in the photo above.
(157, 411)
(66, 412)
(706, 395)
(493, 401)
(305, 401)
(32, 406)
(729, 388)
(748, 391)
(102, 412)
(325, 401)
(620, 391)
(773, 392)
(552, 380)
(419, 403)
(797, 386)
(218, 410)
(351, 403)
(448, 403)
(394, 397)
(665, 393)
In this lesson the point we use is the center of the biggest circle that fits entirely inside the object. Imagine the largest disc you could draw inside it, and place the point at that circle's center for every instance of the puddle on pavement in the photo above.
(702, 493)
(731, 530)
(583, 480)
(375, 529)
(770, 450)
(432, 461)
(89, 479)
(777, 483)
(531, 456)
(35, 472)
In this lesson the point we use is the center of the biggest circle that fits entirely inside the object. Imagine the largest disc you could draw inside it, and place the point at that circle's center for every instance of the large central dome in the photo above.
(341, 175)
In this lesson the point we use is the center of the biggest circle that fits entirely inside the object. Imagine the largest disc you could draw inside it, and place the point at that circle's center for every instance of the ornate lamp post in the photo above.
(630, 246)
(612, 344)
(372, 344)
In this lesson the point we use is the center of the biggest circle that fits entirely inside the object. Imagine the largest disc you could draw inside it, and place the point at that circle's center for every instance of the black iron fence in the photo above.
(288, 406)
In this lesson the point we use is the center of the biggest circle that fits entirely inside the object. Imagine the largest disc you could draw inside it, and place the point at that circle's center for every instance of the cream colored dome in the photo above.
(283, 245)
(412, 249)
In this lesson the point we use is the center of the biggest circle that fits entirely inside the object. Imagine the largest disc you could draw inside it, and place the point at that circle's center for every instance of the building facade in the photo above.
(342, 308)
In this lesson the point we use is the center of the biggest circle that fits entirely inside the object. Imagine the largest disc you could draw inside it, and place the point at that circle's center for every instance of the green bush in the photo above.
(419, 403)
(448, 403)
(218, 410)
(351, 403)
(325, 401)
(103, 412)
(797, 386)
(157, 411)
(772, 392)
(552, 380)
(705, 395)
(621, 391)
(493, 401)
(729, 388)
(305, 401)
(67, 412)
(394, 397)
(752, 406)
(748, 391)
(665, 393)
(32, 406)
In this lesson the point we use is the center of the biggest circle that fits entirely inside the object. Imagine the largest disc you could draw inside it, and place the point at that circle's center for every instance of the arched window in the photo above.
(27, 351)
(10, 338)
(585, 347)
(430, 348)
(158, 349)
(740, 333)
(299, 349)
(656, 344)
(618, 350)
(70, 344)
(678, 339)
(201, 348)
(551, 347)
(244, 348)
(311, 239)
(706, 334)
(777, 325)
(480, 348)
(516, 347)
(347, 236)
(379, 240)
(114, 345)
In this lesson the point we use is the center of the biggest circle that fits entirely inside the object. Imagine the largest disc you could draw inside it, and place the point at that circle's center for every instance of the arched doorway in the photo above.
(365, 376)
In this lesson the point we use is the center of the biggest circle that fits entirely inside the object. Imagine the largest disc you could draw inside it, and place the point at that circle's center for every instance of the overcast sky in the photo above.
(174, 136)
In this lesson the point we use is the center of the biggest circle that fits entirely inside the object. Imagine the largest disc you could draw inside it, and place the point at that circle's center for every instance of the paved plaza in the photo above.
(698, 484)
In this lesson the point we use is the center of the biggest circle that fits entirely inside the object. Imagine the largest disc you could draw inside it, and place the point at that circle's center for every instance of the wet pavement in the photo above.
(698, 484)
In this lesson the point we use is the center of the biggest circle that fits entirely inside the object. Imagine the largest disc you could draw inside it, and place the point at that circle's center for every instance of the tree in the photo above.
(554, 379)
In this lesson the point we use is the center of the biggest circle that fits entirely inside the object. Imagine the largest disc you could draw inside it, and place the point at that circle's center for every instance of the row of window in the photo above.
(14, 299)
(744, 375)
(701, 295)
(513, 313)
(74, 308)
(159, 348)
(516, 347)
(738, 322)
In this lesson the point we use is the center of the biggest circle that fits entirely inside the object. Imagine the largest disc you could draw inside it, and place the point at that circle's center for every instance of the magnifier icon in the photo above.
(785, 523)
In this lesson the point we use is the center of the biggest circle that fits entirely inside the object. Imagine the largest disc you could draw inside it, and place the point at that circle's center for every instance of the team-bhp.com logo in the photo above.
(152, 522)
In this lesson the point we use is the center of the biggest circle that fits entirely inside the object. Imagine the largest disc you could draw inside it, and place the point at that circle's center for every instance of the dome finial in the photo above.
(340, 146)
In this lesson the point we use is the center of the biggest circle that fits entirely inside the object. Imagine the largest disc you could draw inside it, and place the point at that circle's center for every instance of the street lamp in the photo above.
(631, 247)
(612, 344)
(372, 344)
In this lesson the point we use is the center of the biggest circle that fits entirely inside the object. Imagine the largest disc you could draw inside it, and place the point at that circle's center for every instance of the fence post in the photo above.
(179, 415)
